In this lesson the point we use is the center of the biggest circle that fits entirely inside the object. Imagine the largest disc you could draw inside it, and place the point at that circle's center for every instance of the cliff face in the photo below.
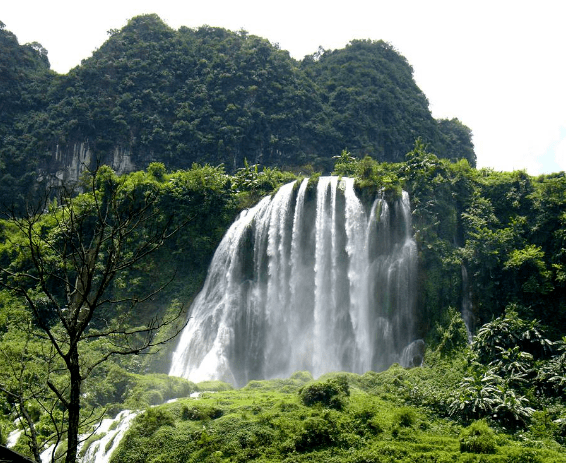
(67, 163)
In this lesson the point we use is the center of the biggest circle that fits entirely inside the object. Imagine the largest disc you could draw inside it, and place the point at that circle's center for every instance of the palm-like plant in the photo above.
(513, 409)
(479, 395)
(551, 376)
(515, 365)
(510, 332)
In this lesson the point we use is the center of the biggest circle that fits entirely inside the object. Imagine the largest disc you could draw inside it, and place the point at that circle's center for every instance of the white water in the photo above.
(466, 309)
(306, 280)
(13, 438)
(111, 432)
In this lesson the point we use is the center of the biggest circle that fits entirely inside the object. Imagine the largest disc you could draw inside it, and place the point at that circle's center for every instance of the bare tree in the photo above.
(73, 248)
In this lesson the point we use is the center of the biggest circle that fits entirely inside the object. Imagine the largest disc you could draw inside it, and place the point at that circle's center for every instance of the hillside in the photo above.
(209, 95)
(371, 418)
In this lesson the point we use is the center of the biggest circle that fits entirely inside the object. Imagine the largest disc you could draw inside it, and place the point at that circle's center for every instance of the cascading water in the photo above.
(305, 280)
(466, 310)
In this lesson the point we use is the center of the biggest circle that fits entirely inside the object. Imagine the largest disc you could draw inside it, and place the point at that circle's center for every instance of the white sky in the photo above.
(497, 65)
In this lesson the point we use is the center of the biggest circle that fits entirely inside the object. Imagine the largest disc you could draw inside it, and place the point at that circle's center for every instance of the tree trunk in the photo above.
(74, 406)
(33, 434)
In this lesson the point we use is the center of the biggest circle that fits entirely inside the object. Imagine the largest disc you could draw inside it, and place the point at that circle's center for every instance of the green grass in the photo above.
(267, 421)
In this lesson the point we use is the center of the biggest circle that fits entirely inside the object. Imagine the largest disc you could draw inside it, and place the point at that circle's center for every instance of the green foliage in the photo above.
(153, 419)
(440, 191)
(240, 97)
(115, 387)
(331, 393)
(214, 386)
(508, 332)
(200, 413)
(317, 432)
(345, 165)
(265, 424)
(509, 373)
(157, 171)
(478, 438)
(551, 375)
(529, 264)
(456, 141)
(406, 417)
(450, 335)
(251, 184)
(372, 103)
(289, 385)
(371, 176)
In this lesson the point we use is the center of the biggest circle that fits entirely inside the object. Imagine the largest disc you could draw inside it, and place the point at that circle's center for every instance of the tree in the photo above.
(67, 253)
(456, 140)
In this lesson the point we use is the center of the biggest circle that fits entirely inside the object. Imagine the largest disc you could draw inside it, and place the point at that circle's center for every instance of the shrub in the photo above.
(302, 376)
(200, 412)
(213, 386)
(317, 432)
(450, 335)
(406, 417)
(150, 421)
(331, 393)
(524, 456)
(477, 438)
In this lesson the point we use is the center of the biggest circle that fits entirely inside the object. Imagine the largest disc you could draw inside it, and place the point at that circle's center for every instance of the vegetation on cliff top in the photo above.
(209, 95)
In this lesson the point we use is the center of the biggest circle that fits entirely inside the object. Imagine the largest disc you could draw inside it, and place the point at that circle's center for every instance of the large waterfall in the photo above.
(309, 279)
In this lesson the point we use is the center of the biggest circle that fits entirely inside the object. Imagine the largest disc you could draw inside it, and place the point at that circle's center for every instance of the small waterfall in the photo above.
(111, 432)
(107, 437)
(309, 279)
(466, 311)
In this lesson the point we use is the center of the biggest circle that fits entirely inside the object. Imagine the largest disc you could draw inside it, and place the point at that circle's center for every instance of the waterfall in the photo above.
(466, 309)
(309, 279)
(105, 439)
(111, 432)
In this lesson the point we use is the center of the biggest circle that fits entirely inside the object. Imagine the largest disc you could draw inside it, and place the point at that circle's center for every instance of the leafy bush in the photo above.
(524, 456)
(406, 417)
(331, 393)
(317, 432)
(477, 438)
(450, 335)
(290, 385)
(200, 412)
(150, 421)
(213, 386)
(551, 376)
(509, 331)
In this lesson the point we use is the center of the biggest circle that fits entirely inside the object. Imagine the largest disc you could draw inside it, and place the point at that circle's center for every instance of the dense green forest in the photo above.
(209, 95)
(221, 119)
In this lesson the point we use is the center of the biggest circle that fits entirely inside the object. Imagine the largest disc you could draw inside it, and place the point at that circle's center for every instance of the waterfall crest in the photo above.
(309, 279)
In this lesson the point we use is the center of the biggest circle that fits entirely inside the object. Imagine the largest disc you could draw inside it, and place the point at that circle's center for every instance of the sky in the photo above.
(498, 66)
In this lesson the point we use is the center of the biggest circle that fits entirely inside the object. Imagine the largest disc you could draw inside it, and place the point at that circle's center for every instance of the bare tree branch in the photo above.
(76, 251)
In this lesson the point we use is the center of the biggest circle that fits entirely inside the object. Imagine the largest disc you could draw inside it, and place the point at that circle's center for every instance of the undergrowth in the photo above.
(392, 416)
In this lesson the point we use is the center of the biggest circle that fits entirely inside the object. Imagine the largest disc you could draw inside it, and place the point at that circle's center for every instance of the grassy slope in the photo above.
(266, 421)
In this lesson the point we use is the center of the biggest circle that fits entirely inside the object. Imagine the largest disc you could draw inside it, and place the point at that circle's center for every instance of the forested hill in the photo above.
(209, 95)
